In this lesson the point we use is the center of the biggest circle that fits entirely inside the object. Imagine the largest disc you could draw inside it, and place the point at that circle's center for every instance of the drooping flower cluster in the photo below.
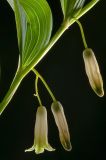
(41, 129)
(41, 125)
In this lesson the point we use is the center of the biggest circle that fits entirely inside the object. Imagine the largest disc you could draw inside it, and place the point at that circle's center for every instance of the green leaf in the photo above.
(34, 26)
(20, 18)
(21, 24)
(71, 7)
(11, 3)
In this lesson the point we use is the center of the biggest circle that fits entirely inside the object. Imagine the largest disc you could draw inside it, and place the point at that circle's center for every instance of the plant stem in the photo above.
(82, 33)
(21, 73)
(16, 82)
(37, 93)
(45, 84)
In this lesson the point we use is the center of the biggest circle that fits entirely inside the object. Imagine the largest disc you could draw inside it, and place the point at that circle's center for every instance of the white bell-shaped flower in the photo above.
(93, 72)
(61, 123)
(41, 132)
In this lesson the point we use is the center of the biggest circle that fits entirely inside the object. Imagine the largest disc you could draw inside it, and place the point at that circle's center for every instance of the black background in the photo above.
(63, 69)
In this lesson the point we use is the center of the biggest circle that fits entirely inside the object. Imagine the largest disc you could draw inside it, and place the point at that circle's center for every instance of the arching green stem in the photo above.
(82, 33)
(45, 84)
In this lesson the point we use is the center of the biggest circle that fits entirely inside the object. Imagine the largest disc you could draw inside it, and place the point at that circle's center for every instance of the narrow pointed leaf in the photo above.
(71, 7)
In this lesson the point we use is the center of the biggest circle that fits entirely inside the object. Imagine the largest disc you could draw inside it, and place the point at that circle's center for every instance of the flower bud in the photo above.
(61, 123)
(41, 132)
(93, 72)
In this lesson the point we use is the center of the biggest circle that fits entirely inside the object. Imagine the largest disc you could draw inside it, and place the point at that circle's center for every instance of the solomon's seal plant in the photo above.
(34, 23)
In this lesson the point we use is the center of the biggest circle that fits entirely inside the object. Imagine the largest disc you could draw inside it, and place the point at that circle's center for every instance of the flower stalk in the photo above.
(37, 93)
(82, 33)
(38, 75)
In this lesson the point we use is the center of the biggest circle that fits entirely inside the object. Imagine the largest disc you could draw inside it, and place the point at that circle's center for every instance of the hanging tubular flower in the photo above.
(93, 72)
(61, 123)
(41, 132)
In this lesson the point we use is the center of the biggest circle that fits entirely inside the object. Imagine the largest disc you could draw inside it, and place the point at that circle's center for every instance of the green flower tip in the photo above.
(41, 132)
(40, 149)
(93, 72)
(62, 125)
